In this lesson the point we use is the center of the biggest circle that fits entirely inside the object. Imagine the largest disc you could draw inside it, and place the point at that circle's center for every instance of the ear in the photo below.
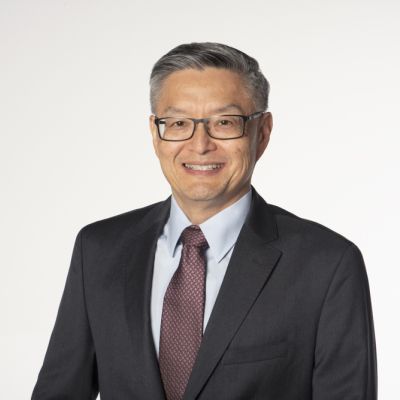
(264, 133)
(154, 133)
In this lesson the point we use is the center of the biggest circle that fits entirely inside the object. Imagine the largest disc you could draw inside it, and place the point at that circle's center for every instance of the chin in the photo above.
(202, 193)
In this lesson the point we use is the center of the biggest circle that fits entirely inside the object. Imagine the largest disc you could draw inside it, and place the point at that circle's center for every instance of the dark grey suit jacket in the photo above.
(292, 320)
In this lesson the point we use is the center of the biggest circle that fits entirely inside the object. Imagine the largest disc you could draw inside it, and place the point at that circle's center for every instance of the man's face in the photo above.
(200, 94)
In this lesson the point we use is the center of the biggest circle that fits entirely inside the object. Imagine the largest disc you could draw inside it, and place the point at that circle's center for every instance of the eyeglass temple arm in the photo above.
(254, 116)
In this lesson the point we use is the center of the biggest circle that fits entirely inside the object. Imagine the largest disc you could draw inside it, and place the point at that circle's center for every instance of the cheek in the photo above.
(242, 158)
(167, 152)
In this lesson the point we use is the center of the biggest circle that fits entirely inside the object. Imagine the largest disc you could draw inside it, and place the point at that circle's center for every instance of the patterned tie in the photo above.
(182, 314)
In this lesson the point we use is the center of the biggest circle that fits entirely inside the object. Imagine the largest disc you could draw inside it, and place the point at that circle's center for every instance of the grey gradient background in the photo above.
(75, 145)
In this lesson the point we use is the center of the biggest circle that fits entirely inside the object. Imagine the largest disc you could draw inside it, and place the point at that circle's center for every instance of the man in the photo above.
(213, 293)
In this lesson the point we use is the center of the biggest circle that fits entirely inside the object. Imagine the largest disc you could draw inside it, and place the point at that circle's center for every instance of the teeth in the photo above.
(208, 167)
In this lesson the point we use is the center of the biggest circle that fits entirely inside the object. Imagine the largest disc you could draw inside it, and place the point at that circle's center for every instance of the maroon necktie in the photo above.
(182, 314)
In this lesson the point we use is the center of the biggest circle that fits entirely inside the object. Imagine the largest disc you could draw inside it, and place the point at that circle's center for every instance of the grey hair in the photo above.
(202, 55)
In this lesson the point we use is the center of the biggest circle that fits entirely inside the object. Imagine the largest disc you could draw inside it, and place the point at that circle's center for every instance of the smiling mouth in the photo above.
(202, 167)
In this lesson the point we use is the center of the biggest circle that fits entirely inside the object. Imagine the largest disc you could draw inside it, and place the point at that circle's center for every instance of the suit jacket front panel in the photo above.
(285, 342)
(118, 271)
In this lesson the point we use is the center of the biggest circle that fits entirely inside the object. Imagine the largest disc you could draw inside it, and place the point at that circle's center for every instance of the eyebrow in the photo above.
(175, 110)
(227, 108)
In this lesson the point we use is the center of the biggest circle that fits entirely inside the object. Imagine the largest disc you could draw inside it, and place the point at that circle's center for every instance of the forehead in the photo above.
(204, 91)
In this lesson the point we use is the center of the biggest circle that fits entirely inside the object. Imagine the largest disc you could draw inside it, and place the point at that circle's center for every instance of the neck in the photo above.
(198, 211)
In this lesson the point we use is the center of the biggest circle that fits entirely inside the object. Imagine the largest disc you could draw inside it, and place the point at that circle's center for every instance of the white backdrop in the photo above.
(75, 145)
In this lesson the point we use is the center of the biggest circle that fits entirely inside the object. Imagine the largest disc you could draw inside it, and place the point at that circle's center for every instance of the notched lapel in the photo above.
(253, 260)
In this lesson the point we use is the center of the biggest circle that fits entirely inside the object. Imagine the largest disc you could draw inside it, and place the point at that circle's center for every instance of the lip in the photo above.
(204, 172)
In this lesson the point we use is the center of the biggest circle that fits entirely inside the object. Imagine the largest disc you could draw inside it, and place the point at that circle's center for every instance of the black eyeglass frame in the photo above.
(196, 121)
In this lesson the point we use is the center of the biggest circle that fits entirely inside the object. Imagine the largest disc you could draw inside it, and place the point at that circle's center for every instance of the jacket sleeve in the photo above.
(345, 355)
(69, 368)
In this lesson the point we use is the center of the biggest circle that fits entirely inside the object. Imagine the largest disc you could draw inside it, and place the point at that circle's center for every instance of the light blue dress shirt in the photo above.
(221, 232)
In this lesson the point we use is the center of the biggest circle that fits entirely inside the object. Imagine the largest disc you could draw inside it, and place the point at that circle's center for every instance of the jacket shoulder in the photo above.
(138, 219)
(292, 225)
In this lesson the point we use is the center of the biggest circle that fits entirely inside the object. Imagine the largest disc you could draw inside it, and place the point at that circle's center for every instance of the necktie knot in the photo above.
(193, 236)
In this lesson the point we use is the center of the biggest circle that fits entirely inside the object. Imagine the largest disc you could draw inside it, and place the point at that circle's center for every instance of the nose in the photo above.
(201, 142)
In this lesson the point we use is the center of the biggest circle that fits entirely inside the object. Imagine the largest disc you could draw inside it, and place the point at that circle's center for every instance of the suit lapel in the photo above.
(139, 273)
(251, 264)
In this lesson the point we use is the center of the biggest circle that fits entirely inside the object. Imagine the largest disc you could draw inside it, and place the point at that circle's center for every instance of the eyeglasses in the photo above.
(223, 127)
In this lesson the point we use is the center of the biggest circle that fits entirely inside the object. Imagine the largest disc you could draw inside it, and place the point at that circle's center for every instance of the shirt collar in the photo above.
(221, 230)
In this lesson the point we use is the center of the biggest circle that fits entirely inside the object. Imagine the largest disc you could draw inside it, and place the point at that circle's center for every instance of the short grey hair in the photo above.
(202, 55)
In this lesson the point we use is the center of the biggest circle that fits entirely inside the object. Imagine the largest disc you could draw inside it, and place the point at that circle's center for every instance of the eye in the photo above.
(224, 122)
(176, 123)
